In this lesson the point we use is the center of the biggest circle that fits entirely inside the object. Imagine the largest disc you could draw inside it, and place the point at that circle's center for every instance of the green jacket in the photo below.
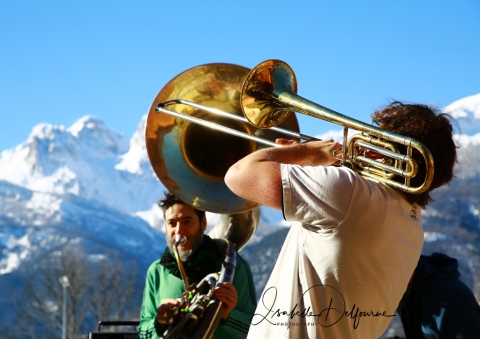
(163, 281)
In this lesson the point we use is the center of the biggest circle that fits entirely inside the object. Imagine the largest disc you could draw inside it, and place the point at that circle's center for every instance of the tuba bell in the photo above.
(191, 160)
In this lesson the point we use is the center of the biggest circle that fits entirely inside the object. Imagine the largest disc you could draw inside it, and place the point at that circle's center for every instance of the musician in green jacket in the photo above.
(200, 256)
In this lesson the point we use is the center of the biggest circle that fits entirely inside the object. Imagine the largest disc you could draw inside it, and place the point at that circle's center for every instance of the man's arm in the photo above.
(257, 176)
(148, 323)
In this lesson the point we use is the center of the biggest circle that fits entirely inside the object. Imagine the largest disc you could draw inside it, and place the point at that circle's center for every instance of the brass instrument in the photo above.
(268, 97)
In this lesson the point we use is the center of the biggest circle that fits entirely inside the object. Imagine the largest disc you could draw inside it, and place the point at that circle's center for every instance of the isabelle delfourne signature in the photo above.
(334, 310)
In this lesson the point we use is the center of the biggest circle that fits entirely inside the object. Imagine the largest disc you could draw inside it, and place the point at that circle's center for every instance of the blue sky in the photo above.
(61, 60)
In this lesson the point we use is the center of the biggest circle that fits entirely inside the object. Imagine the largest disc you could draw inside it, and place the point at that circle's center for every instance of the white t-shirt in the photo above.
(345, 265)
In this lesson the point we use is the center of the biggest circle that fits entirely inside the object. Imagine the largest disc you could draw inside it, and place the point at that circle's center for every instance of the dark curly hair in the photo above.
(432, 128)
(171, 199)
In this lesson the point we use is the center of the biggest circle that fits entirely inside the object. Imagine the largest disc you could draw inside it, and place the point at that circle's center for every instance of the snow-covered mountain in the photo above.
(33, 222)
(467, 113)
(89, 185)
(69, 176)
(88, 160)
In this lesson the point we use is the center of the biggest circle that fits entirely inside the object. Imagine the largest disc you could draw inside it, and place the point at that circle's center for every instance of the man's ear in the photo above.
(204, 223)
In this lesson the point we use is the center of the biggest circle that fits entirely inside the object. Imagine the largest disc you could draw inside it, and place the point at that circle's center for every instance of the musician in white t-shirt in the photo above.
(354, 242)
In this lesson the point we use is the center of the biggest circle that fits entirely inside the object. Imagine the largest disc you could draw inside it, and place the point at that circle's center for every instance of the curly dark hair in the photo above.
(171, 199)
(432, 128)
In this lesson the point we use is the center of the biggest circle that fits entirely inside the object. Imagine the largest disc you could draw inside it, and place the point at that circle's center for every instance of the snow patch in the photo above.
(434, 236)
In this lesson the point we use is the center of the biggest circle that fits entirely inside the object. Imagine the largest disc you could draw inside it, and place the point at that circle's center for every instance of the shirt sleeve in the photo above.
(149, 326)
(238, 323)
(318, 196)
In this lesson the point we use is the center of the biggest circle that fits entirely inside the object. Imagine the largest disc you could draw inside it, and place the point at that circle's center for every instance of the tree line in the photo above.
(103, 288)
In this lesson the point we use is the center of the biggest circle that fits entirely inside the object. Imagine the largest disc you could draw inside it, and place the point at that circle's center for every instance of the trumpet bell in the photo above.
(191, 160)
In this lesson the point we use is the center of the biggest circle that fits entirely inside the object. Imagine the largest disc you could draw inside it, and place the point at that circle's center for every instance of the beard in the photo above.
(185, 255)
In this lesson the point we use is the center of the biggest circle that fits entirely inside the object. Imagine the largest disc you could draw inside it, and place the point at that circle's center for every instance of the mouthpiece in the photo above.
(180, 240)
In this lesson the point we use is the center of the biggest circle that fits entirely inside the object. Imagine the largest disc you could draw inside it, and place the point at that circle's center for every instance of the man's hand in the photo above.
(166, 310)
(227, 294)
(286, 142)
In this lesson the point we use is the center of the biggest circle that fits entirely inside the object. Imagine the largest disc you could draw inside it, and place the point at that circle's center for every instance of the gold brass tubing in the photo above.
(179, 240)
(412, 168)
(161, 108)
(344, 145)
(429, 168)
(409, 154)
(216, 126)
(385, 167)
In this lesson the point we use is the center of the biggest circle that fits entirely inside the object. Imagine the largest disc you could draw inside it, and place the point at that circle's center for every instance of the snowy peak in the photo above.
(468, 107)
(54, 156)
(41, 155)
(94, 134)
(89, 160)
(467, 112)
(136, 159)
(85, 124)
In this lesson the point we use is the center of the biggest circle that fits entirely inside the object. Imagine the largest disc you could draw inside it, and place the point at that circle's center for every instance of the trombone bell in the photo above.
(261, 87)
